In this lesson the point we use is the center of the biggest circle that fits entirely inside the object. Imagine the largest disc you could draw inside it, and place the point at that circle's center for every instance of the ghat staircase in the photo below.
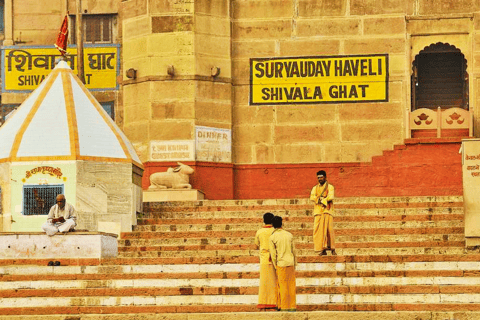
(398, 258)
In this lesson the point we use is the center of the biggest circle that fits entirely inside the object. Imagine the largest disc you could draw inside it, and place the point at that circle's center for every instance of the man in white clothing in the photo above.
(61, 218)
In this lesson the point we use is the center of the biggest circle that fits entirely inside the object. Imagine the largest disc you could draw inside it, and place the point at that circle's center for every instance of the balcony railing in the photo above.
(441, 122)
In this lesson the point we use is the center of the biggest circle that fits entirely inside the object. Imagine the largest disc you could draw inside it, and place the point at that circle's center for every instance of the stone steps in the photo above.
(298, 225)
(361, 314)
(254, 253)
(397, 215)
(298, 245)
(264, 203)
(413, 282)
(298, 232)
(182, 259)
(391, 238)
(296, 211)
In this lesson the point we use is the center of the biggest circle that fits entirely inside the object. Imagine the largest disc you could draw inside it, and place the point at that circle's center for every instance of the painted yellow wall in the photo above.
(160, 108)
(18, 175)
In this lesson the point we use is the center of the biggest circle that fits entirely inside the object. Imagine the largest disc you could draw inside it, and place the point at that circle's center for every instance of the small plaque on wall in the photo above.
(213, 144)
(174, 150)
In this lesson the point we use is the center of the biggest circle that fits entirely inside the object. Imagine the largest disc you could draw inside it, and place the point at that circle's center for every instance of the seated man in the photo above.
(62, 217)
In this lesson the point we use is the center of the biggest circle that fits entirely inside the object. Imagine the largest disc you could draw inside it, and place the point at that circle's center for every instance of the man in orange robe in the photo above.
(282, 251)
(323, 234)
(267, 289)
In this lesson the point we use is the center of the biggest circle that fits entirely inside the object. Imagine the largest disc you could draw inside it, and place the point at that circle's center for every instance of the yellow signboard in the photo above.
(26, 67)
(328, 79)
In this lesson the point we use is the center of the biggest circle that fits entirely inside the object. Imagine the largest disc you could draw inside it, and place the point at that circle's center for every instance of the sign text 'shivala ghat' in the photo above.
(26, 67)
(359, 78)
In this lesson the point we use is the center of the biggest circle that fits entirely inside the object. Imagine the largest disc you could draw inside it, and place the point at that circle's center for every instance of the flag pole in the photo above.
(79, 36)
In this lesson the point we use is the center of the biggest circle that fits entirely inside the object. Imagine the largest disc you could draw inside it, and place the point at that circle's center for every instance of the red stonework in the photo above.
(432, 133)
(420, 167)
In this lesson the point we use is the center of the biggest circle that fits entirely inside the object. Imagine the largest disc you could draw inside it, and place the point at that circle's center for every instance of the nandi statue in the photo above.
(174, 178)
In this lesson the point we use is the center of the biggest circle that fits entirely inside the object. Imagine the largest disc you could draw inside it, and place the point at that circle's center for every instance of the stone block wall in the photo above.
(107, 197)
(345, 132)
(228, 33)
(37, 22)
(189, 39)
(5, 214)
(320, 132)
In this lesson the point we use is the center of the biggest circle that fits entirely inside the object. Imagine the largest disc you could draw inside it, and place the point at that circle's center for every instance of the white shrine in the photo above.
(60, 140)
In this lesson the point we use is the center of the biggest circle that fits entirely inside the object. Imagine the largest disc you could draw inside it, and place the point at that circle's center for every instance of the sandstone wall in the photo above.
(190, 38)
(107, 196)
(5, 191)
(347, 132)
(320, 132)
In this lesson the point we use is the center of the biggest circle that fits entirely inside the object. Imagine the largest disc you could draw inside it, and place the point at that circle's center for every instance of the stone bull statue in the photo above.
(174, 178)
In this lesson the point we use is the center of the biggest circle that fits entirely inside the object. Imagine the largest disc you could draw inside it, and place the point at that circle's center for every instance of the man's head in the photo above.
(268, 218)
(61, 201)
(277, 222)
(321, 177)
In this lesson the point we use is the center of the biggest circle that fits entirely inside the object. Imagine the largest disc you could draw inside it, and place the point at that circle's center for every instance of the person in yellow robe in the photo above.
(267, 289)
(323, 234)
(283, 257)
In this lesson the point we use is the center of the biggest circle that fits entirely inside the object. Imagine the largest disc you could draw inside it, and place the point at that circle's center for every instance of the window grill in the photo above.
(38, 199)
(97, 28)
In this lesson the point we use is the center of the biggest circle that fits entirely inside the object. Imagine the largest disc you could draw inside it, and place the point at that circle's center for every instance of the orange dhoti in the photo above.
(323, 234)
(287, 300)
(267, 290)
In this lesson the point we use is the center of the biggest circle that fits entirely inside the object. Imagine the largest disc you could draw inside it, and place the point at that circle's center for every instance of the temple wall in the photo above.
(190, 38)
(38, 173)
(5, 214)
(36, 22)
(105, 196)
(317, 133)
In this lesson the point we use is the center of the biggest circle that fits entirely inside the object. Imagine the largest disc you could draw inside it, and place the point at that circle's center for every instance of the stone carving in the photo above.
(455, 117)
(423, 117)
(174, 178)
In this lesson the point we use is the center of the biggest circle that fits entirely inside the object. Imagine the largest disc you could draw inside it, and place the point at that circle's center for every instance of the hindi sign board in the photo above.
(213, 144)
(26, 67)
(322, 79)
(471, 189)
(174, 150)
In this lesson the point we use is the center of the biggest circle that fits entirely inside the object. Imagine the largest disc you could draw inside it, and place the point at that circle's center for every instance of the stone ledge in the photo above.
(166, 195)
(73, 245)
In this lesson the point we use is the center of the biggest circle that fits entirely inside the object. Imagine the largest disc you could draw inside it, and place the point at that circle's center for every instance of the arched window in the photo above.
(440, 78)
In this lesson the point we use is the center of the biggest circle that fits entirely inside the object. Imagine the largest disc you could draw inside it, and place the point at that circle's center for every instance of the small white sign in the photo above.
(174, 150)
(471, 186)
(213, 144)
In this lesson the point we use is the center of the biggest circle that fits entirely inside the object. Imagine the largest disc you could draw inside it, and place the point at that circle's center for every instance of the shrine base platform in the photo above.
(72, 245)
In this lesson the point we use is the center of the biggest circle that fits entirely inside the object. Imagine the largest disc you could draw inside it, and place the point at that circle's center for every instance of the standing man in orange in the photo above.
(282, 251)
(323, 234)
(267, 289)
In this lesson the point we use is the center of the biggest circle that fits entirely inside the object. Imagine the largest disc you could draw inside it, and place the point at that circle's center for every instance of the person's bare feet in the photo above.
(324, 252)
(333, 252)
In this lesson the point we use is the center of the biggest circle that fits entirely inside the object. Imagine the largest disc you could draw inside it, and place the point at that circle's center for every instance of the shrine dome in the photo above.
(61, 120)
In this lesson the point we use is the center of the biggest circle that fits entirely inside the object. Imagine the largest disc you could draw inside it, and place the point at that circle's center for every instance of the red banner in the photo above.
(62, 38)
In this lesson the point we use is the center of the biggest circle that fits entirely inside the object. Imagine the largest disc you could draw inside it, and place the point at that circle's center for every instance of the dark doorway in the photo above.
(440, 78)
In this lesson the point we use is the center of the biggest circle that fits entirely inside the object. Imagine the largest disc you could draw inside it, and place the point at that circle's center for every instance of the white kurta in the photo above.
(68, 213)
